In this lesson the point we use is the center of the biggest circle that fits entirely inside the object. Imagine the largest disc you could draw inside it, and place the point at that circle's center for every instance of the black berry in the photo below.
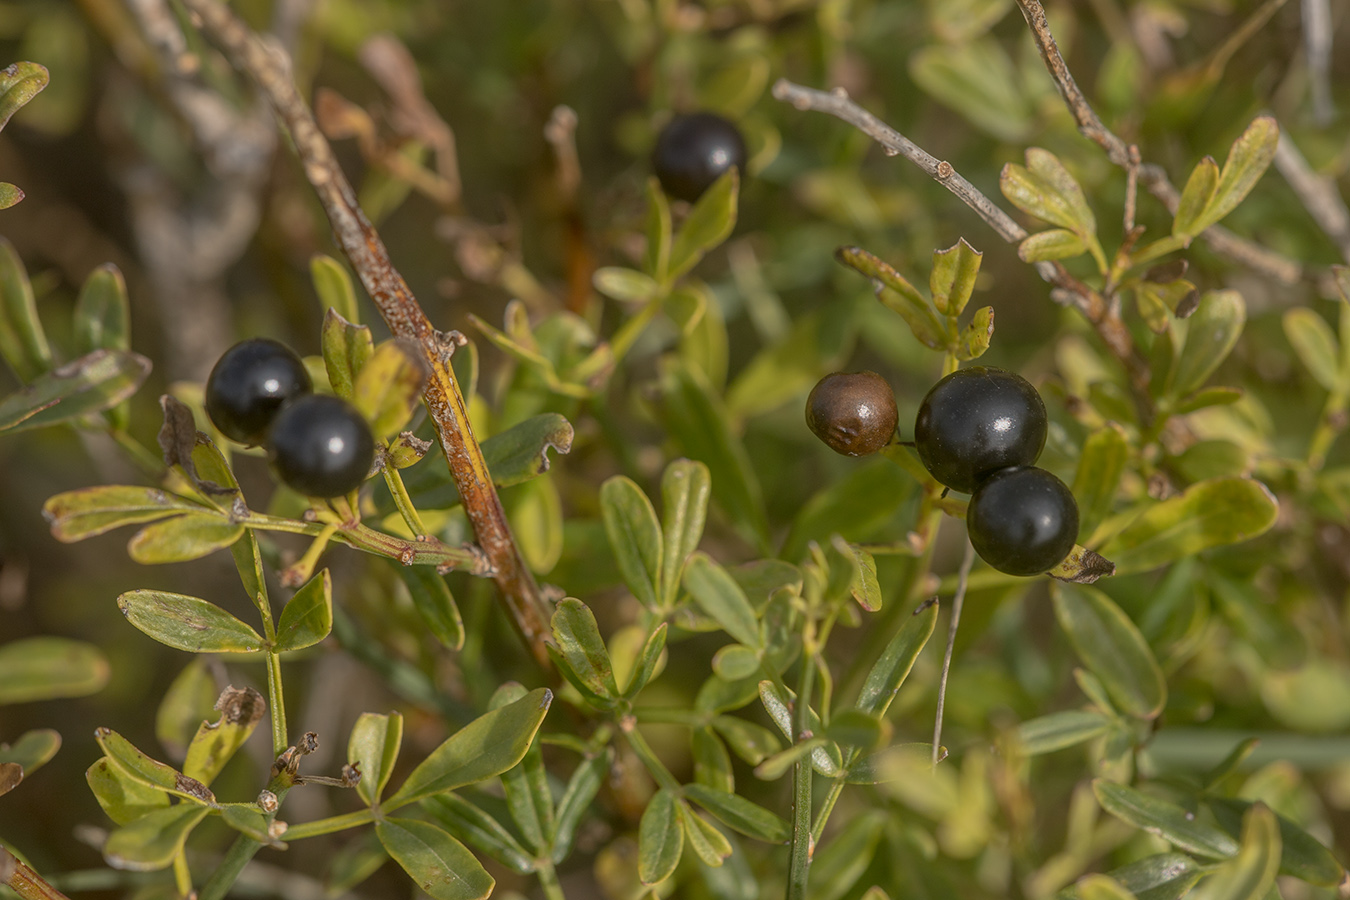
(249, 384)
(1022, 520)
(977, 421)
(693, 151)
(853, 413)
(321, 446)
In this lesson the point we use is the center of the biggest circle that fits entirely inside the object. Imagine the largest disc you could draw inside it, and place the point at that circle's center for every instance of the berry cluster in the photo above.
(260, 393)
(979, 431)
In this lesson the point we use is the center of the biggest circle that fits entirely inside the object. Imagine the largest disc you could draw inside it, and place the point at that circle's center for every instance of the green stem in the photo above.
(329, 825)
(275, 697)
(548, 880)
(803, 844)
(1329, 426)
(223, 878)
(182, 876)
(399, 491)
(629, 331)
(823, 815)
(649, 759)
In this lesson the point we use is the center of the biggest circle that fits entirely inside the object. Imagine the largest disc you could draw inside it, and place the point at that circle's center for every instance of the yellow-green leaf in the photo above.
(44, 668)
(373, 748)
(1112, 648)
(183, 538)
(151, 842)
(188, 623)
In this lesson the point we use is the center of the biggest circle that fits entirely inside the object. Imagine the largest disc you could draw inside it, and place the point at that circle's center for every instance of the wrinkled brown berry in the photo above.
(852, 412)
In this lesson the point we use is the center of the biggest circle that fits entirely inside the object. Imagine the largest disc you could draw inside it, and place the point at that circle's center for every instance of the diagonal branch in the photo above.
(1269, 263)
(1066, 288)
(270, 68)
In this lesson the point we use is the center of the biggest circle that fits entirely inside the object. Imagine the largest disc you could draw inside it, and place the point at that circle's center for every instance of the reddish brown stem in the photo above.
(23, 881)
(270, 68)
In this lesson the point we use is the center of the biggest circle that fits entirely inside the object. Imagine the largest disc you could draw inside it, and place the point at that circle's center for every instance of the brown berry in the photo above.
(852, 412)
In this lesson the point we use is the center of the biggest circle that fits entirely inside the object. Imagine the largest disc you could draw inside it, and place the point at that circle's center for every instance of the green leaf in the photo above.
(183, 538)
(685, 488)
(308, 616)
(1057, 731)
(865, 588)
(1248, 159)
(241, 709)
(479, 830)
(1168, 821)
(1057, 243)
(699, 421)
(840, 863)
(855, 728)
(891, 669)
(1217, 458)
(660, 838)
(647, 662)
(1213, 331)
(634, 536)
(1314, 344)
(346, 350)
(854, 506)
(389, 387)
(1208, 514)
(102, 313)
(721, 599)
(735, 87)
(1301, 855)
(712, 762)
(736, 661)
(92, 383)
(657, 228)
(953, 277)
(628, 285)
(487, 746)
(528, 797)
(825, 756)
(1046, 190)
(917, 313)
(440, 866)
(1100, 467)
(190, 698)
(709, 844)
(581, 790)
(1188, 220)
(151, 842)
(1163, 876)
(32, 750)
(975, 337)
(1111, 647)
(1159, 302)
(20, 82)
(152, 773)
(334, 287)
(123, 798)
(977, 80)
(359, 859)
(23, 343)
(752, 743)
(1101, 887)
(10, 195)
(895, 763)
(188, 623)
(520, 453)
(708, 224)
(1250, 875)
(435, 603)
(1212, 396)
(44, 668)
(373, 748)
(582, 650)
(249, 820)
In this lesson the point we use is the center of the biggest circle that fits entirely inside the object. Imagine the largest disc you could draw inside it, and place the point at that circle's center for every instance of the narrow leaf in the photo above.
(188, 623)
(1213, 331)
(23, 343)
(150, 772)
(1208, 514)
(721, 598)
(1248, 159)
(1168, 821)
(389, 387)
(102, 312)
(373, 748)
(1302, 855)
(435, 603)
(1187, 221)
(1314, 345)
(1250, 875)
(1111, 647)
(1100, 467)
(627, 285)
(20, 82)
(346, 350)
(891, 669)
(183, 538)
(1057, 731)
(709, 844)
(334, 287)
(439, 865)
(1057, 243)
(953, 277)
(215, 743)
(634, 536)
(92, 383)
(685, 488)
(660, 838)
(582, 648)
(707, 225)
(122, 797)
(308, 616)
(44, 668)
(151, 842)
(479, 830)
(581, 790)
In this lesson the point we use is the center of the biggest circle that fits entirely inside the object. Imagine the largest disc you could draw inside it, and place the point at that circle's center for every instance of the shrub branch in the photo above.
(270, 68)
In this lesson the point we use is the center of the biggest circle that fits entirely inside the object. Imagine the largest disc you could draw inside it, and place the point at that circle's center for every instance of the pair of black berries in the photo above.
(260, 393)
(979, 431)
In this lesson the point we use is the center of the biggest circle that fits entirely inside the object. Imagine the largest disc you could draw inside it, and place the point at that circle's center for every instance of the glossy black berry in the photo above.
(249, 384)
(320, 446)
(977, 421)
(1022, 520)
(693, 151)
(852, 412)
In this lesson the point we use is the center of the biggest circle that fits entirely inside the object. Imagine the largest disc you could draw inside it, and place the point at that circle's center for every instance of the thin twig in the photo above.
(1260, 259)
(958, 600)
(401, 311)
(1067, 288)
(24, 881)
(1318, 193)
(1317, 31)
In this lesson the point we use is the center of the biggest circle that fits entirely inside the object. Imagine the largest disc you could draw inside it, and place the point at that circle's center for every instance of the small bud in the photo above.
(267, 802)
